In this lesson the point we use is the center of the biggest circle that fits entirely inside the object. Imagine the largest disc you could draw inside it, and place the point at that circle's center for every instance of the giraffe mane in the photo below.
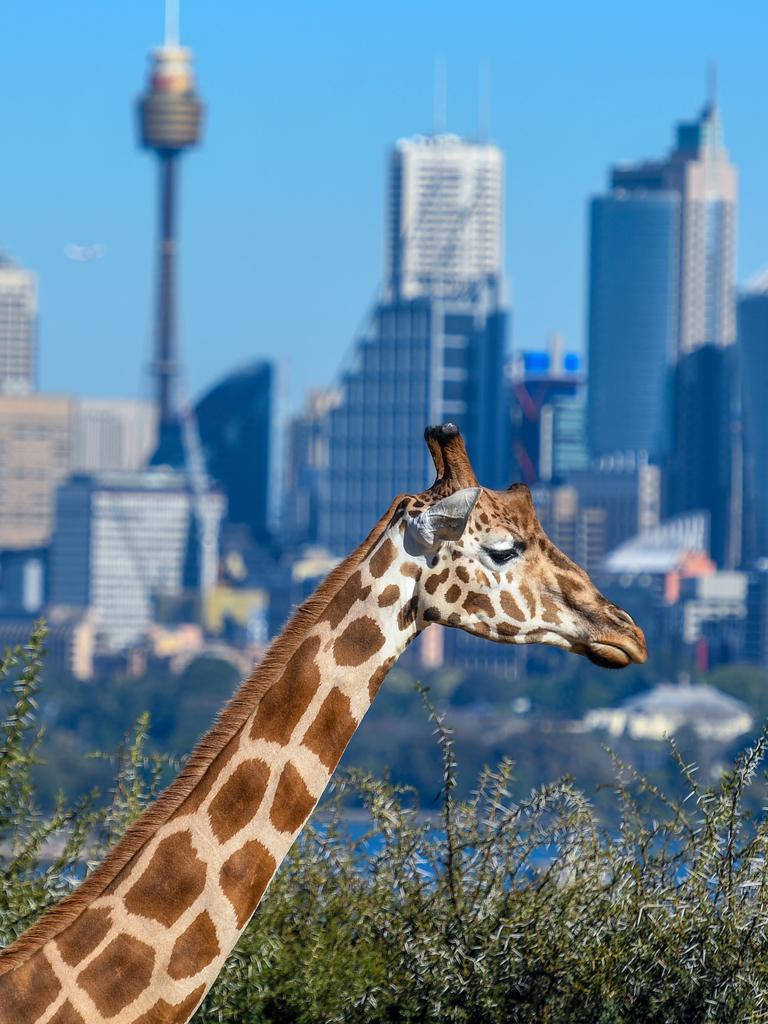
(230, 720)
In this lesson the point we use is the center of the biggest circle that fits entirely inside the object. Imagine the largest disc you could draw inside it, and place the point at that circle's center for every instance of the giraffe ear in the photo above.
(447, 518)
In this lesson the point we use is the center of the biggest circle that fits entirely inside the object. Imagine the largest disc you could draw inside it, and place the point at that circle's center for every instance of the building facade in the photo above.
(121, 543)
(435, 346)
(18, 329)
(704, 469)
(662, 272)
(424, 361)
(305, 469)
(547, 414)
(112, 434)
(235, 422)
(753, 364)
(633, 316)
(35, 456)
(444, 229)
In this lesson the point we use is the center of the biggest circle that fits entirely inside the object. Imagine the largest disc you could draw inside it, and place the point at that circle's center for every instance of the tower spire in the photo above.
(171, 23)
(712, 86)
(170, 113)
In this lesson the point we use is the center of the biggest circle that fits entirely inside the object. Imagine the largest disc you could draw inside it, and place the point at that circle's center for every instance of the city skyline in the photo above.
(323, 242)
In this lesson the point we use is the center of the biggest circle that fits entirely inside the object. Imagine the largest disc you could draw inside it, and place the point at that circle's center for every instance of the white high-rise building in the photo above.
(18, 328)
(121, 542)
(112, 433)
(434, 347)
(444, 235)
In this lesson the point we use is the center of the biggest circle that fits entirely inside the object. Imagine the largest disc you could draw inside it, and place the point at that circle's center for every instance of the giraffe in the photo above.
(144, 937)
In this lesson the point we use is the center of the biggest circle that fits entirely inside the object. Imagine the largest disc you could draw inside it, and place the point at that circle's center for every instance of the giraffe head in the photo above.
(489, 568)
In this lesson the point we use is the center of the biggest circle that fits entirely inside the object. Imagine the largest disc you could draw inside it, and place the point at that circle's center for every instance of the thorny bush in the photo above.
(492, 911)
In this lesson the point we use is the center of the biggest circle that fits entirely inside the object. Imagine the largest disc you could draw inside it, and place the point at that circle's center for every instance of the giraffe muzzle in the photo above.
(618, 651)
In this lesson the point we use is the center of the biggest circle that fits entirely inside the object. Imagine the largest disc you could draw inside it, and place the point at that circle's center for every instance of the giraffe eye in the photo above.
(503, 555)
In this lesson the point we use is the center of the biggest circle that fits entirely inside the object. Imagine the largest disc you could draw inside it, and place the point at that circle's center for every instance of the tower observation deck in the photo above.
(170, 116)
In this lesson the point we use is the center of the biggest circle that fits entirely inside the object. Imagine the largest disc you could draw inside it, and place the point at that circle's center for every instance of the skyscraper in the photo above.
(435, 346)
(112, 434)
(633, 292)
(753, 362)
(235, 422)
(699, 171)
(662, 267)
(704, 470)
(444, 230)
(121, 542)
(35, 442)
(170, 116)
(18, 329)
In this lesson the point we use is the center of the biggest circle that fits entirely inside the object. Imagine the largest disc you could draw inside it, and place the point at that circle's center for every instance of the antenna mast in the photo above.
(484, 102)
(171, 23)
(440, 97)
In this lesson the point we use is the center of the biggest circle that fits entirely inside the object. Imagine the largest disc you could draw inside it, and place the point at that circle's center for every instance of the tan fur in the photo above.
(230, 721)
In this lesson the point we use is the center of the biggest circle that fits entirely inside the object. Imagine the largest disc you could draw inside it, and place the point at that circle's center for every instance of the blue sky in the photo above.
(283, 204)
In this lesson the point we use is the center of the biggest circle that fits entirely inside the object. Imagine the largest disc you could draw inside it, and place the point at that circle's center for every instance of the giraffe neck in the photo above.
(151, 944)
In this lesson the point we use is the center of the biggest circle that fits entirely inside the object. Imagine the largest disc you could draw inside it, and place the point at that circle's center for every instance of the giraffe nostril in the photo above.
(623, 616)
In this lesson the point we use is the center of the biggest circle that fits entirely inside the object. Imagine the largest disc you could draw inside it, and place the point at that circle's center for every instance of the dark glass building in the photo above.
(704, 462)
(235, 423)
(752, 318)
(633, 300)
(427, 360)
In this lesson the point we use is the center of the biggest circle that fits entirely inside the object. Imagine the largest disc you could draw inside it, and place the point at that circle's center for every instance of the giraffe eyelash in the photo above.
(503, 555)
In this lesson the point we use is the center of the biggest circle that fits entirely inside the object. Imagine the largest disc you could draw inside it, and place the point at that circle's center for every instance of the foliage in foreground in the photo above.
(494, 911)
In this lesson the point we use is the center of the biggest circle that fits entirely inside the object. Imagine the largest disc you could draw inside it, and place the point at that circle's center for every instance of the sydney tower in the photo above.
(170, 115)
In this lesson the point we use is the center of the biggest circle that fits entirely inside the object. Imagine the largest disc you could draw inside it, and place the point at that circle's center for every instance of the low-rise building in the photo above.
(668, 708)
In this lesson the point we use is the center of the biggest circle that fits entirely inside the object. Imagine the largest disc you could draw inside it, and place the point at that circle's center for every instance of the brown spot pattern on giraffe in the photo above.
(27, 991)
(408, 612)
(332, 729)
(285, 702)
(244, 877)
(511, 607)
(432, 615)
(435, 580)
(481, 578)
(292, 802)
(172, 881)
(389, 595)
(381, 559)
(239, 798)
(462, 573)
(118, 974)
(378, 677)
(527, 595)
(84, 935)
(453, 593)
(178, 1013)
(557, 558)
(570, 588)
(67, 1014)
(352, 592)
(411, 570)
(200, 793)
(454, 619)
(507, 629)
(478, 604)
(195, 948)
(359, 642)
(549, 610)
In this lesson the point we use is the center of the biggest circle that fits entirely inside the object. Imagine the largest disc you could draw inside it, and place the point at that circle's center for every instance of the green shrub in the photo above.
(494, 911)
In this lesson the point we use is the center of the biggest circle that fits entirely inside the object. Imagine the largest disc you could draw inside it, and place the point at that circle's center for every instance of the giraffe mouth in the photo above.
(617, 652)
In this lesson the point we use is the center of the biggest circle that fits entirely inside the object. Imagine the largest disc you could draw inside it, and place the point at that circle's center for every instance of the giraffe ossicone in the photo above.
(144, 937)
